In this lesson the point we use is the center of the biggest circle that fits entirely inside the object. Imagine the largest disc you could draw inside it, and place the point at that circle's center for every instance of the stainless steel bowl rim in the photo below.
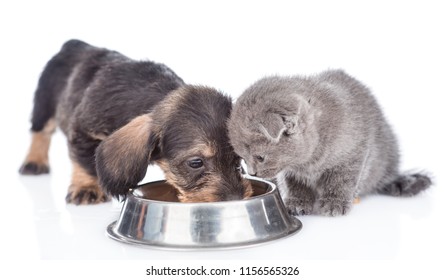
(271, 184)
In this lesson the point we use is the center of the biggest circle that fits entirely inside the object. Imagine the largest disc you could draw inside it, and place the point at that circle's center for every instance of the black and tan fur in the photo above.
(121, 115)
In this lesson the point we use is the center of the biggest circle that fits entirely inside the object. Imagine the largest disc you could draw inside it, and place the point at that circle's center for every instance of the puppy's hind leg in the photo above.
(51, 85)
(36, 162)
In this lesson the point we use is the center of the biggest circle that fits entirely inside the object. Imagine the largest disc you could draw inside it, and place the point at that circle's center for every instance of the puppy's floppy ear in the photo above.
(122, 159)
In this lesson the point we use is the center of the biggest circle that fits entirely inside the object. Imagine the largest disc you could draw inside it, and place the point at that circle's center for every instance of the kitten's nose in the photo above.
(252, 174)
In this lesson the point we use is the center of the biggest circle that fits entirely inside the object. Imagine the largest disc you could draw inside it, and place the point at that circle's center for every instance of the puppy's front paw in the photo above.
(33, 168)
(86, 195)
(333, 207)
(299, 206)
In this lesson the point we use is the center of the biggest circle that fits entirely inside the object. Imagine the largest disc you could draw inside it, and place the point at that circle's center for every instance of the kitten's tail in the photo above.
(407, 185)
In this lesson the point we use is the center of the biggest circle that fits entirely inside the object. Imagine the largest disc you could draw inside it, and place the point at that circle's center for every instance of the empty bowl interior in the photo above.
(162, 191)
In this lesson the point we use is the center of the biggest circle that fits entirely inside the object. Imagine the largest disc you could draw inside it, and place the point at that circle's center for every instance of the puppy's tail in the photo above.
(406, 185)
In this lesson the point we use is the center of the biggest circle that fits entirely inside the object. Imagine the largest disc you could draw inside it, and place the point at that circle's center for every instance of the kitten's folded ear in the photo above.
(122, 159)
(297, 114)
(290, 124)
(272, 127)
(289, 116)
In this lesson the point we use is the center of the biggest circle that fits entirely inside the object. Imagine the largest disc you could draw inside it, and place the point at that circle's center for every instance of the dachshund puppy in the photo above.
(121, 115)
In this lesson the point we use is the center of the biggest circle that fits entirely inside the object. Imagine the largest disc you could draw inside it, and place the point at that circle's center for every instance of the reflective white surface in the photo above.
(35, 219)
(395, 49)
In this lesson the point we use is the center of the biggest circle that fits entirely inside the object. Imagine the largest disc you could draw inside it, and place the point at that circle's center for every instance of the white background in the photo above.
(394, 47)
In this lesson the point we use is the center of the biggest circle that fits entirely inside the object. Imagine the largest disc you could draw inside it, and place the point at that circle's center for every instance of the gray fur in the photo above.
(323, 138)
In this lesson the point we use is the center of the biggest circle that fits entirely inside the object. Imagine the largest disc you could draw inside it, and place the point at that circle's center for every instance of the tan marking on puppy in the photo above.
(98, 136)
(79, 176)
(170, 104)
(208, 150)
(84, 188)
(163, 164)
(38, 151)
(205, 194)
(170, 177)
(357, 200)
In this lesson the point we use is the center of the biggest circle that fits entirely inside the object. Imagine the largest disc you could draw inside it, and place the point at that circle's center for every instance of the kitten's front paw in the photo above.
(333, 207)
(299, 207)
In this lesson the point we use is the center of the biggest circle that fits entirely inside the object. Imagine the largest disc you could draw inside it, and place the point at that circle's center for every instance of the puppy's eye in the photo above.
(195, 163)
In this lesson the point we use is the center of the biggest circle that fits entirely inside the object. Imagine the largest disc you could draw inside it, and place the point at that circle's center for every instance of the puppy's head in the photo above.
(186, 135)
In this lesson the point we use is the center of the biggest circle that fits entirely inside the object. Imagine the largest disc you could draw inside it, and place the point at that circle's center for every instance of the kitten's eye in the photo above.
(195, 163)
(260, 158)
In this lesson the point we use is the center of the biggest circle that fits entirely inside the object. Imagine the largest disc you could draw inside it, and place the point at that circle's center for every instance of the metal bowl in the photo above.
(152, 216)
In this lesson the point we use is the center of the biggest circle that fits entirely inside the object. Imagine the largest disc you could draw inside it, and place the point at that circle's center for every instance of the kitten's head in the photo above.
(272, 127)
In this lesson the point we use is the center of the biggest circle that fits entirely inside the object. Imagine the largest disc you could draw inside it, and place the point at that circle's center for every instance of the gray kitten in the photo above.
(323, 138)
